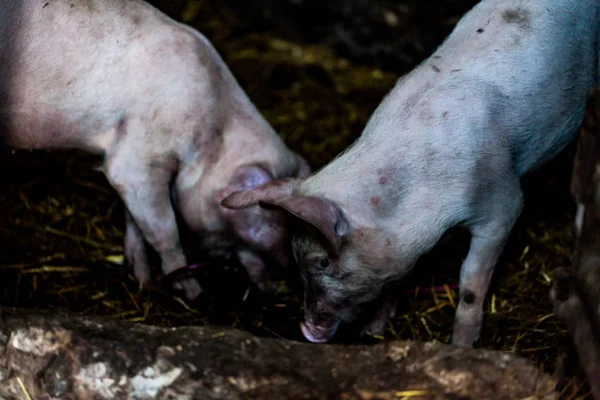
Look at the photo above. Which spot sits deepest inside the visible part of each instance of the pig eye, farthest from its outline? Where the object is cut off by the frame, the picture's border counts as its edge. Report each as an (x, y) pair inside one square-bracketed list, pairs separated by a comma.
[(323, 264), (318, 263)]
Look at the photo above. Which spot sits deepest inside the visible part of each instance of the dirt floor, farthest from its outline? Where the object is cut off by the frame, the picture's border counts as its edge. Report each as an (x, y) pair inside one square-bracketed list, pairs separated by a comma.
[(61, 224)]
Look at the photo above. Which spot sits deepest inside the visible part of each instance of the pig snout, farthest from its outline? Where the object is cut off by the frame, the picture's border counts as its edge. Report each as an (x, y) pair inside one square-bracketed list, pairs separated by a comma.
[(320, 321), (319, 332)]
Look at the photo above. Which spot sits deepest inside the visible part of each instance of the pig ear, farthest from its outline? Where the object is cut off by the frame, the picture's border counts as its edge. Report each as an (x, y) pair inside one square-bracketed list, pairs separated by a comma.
[(270, 192), (322, 214)]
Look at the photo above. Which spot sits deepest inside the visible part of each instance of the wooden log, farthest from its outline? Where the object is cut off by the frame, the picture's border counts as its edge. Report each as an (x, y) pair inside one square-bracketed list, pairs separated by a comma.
[(53, 355)]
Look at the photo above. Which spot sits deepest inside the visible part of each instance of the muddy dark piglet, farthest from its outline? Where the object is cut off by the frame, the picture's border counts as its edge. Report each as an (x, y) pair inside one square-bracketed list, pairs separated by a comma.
[(121, 79), (502, 95)]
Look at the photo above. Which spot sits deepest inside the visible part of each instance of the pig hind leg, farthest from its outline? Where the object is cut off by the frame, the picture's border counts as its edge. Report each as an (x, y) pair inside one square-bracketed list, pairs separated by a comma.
[(489, 231), (144, 188)]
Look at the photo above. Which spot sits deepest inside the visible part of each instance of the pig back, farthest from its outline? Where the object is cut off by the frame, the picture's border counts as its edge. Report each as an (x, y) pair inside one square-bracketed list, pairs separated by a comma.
[(81, 69), (540, 57)]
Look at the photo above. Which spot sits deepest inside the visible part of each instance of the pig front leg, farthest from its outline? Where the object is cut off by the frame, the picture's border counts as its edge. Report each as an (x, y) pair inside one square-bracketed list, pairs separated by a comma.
[(135, 250), (144, 188), (579, 219), (488, 237)]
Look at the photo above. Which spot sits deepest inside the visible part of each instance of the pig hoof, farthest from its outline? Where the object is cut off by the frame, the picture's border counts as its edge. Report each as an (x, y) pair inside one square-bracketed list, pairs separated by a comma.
[(190, 286), (464, 340), (464, 344)]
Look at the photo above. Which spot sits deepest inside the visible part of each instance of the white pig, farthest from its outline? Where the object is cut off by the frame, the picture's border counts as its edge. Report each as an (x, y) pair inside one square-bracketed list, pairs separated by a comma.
[(502, 95), (121, 79)]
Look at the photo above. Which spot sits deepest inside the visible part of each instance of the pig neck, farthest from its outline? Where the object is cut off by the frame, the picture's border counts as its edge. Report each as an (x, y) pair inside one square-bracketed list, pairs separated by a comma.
[(389, 180), (408, 216)]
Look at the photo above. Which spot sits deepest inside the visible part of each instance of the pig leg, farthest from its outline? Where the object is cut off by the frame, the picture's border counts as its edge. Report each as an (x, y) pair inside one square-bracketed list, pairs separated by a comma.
[(144, 188), (579, 219), (257, 270), (135, 250), (487, 243)]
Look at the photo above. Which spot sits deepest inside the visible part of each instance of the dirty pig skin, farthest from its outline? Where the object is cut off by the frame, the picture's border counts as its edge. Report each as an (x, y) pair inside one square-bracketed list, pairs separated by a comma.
[(121, 79), (502, 95)]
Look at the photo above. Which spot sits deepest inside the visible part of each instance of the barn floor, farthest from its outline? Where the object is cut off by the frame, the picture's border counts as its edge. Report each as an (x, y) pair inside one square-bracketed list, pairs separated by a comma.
[(61, 224)]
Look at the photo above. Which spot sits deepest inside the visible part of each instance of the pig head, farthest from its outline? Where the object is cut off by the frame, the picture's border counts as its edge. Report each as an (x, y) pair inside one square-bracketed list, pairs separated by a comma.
[(261, 236), (256, 236), (343, 269)]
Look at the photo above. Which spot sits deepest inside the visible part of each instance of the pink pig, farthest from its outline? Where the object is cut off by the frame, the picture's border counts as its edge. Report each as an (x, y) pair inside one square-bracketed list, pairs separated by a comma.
[(503, 94), (121, 79)]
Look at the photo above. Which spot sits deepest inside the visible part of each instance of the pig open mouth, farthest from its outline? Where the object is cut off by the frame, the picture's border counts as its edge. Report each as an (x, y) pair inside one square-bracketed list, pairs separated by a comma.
[(319, 333)]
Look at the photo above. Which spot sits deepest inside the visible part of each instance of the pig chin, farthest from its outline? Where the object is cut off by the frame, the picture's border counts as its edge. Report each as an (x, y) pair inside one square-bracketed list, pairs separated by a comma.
[(320, 333)]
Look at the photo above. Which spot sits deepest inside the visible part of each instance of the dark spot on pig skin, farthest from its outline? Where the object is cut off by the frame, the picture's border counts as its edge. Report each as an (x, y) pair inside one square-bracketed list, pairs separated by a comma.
[(435, 68), (480, 30), (432, 154), (121, 129), (468, 297), (209, 144), (518, 16), (384, 180), (45, 5), (375, 200), (445, 114)]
